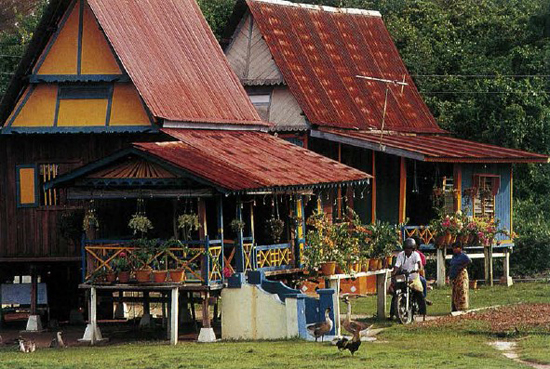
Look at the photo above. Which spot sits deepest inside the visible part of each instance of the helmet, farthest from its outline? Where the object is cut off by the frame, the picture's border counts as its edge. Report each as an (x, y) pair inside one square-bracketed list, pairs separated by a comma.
[(410, 243)]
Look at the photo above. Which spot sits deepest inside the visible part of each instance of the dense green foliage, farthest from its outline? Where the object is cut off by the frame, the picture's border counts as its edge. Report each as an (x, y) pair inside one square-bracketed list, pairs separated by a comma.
[(482, 66)]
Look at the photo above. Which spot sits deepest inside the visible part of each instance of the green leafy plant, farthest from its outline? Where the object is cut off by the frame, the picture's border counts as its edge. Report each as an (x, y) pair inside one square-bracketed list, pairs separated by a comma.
[(90, 220), (140, 223), (237, 225), (188, 223), (121, 263), (275, 228)]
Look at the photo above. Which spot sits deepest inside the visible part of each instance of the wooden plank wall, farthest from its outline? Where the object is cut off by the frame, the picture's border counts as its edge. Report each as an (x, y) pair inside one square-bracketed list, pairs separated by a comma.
[(32, 232)]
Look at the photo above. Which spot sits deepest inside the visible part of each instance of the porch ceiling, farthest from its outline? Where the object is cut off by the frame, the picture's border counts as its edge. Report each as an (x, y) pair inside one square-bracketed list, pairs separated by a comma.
[(431, 148)]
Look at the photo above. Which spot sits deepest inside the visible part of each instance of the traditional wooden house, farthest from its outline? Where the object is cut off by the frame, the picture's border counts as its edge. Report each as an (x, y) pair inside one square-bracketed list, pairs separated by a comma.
[(122, 108), (332, 80)]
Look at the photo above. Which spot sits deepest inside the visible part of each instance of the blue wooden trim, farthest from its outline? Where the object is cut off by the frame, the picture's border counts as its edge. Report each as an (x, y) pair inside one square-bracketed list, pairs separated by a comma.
[(239, 252), (206, 262), (18, 186), (271, 268), (80, 31), (62, 78), (85, 91), (55, 36), (273, 247), (132, 150), (83, 257), (98, 129), (57, 103), (109, 105), (20, 107)]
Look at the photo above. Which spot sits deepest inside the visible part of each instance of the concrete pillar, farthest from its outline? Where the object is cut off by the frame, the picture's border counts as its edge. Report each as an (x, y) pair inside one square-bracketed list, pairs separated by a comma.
[(441, 253), (381, 288)]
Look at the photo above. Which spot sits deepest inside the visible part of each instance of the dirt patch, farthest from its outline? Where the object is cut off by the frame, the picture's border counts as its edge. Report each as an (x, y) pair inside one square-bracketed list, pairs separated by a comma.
[(502, 319)]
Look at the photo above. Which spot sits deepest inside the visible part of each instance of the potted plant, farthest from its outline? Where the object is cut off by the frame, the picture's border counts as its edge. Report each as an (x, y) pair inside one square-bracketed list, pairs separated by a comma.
[(188, 223), (144, 256), (363, 239), (98, 276), (385, 240), (177, 273), (121, 265), (275, 228), (237, 225), (90, 224), (139, 223), (160, 264), (321, 252)]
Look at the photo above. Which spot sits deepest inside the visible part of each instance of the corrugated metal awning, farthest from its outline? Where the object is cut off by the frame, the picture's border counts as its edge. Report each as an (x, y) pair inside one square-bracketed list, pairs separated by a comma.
[(431, 148)]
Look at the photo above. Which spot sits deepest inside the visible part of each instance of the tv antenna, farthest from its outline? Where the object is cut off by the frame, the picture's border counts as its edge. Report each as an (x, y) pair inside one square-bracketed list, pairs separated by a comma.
[(388, 82)]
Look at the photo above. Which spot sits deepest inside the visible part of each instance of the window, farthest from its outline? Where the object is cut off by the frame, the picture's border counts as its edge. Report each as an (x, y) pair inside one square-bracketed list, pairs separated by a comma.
[(27, 188), (47, 172), (262, 102), (486, 188)]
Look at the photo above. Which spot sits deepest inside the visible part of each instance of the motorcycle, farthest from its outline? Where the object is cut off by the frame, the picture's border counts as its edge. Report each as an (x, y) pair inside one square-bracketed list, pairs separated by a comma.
[(405, 304)]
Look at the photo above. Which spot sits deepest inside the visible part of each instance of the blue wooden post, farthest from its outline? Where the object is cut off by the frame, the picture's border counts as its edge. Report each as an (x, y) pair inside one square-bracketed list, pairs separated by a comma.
[(220, 234), (300, 241), (206, 261), (83, 255), (239, 249)]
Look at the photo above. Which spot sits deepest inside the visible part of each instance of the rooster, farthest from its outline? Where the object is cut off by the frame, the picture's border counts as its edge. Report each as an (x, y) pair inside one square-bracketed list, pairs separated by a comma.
[(351, 345), (321, 328)]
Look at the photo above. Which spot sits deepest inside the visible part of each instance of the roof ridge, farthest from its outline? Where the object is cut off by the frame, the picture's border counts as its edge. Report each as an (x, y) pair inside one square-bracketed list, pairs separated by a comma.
[(372, 13)]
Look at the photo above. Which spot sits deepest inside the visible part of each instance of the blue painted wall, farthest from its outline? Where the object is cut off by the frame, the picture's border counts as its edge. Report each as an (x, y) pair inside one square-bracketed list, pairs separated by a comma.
[(503, 204)]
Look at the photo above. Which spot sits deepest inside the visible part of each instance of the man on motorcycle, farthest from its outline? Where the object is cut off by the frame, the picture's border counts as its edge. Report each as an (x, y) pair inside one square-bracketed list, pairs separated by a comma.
[(408, 260)]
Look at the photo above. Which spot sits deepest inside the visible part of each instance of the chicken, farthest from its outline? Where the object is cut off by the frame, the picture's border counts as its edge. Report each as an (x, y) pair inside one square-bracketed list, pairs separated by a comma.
[(353, 326), (351, 345), (26, 346), (321, 328), (58, 342)]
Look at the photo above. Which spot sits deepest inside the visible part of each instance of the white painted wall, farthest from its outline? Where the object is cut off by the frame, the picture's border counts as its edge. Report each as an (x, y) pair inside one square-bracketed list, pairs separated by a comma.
[(250, 313)]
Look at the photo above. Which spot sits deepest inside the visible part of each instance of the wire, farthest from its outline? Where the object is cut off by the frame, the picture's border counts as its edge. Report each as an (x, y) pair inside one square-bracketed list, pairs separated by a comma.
[(484, 92), (482, 76)]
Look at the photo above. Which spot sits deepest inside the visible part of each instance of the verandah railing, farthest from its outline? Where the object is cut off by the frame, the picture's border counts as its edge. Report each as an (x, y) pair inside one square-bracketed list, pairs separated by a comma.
[(206, 262)]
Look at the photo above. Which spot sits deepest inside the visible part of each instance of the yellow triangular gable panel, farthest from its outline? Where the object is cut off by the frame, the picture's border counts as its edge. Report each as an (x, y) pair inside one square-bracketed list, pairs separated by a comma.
[(97, 56), (79, 47), (36, 108), (127, 108), (61, 55)]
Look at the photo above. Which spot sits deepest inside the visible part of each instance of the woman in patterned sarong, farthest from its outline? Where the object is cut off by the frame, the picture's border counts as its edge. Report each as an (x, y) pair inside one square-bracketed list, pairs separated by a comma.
[(459, 278)]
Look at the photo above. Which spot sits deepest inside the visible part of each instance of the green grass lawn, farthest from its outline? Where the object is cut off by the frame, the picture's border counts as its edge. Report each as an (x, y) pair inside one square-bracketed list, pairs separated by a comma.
[(415, 346)]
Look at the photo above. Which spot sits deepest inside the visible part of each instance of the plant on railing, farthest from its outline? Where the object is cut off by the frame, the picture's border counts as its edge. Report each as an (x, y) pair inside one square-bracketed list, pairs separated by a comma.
[(446, 228), (122, 266), (188, 223), (90, 223), (275, 228), (384, 238), (363, 236), (237, 225), (321, 250), (139, 223)]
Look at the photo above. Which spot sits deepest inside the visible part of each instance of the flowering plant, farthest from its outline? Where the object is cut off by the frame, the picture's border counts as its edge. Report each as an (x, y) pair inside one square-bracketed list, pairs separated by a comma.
[(121, 263), (188, 223)]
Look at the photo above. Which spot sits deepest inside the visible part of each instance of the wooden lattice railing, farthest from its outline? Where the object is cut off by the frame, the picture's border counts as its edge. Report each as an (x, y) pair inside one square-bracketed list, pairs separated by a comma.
[(273, 257), (202, 261), (423, 232)]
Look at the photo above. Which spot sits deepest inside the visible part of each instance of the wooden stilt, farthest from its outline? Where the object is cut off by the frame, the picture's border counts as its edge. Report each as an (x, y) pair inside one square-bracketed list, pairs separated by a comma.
[(93, 314), (441, 253), (174, 317), (205, 311), (34, 290), (506, 268), (381, 287), (488, 251)]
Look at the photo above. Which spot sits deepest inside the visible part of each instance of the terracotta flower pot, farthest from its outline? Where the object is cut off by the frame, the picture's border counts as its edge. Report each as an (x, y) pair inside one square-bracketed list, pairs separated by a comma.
[(143, 275), (448, 239), (110, 277), (388, 262), (177, 276), (365, 265), (124, 277), (328, 268), (373, 265), (440, 241), (159, 276), (339, 269)]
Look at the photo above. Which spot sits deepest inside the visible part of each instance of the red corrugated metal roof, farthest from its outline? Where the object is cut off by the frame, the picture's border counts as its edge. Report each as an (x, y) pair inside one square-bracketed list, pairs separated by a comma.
[(174, 60), (320, 50), (247, 160), (433, 148)]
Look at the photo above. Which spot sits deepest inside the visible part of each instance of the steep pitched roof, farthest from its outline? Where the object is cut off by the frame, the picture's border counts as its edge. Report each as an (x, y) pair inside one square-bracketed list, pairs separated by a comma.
[(320, 51), (170, 54)]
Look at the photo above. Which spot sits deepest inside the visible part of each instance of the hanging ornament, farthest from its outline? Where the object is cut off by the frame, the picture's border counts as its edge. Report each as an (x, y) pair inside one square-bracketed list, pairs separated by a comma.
[(254, 202), (415, 180)]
